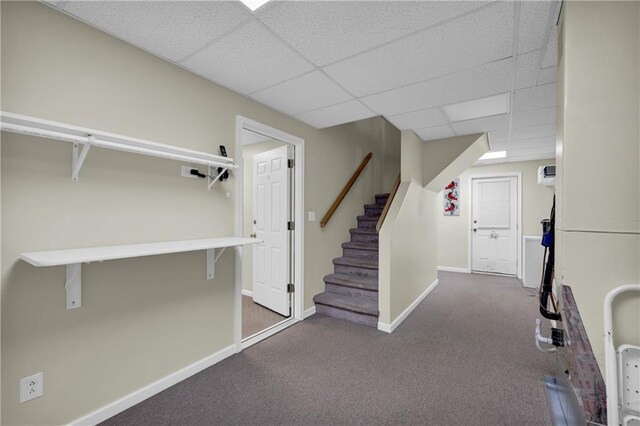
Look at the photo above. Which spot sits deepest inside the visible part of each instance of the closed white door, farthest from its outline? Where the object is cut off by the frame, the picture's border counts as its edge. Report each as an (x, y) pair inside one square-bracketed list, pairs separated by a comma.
[(494, 228), (271, 214)]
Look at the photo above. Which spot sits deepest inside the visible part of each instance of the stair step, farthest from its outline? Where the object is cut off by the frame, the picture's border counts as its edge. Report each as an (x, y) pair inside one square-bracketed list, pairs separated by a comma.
[(356, 262), (364, 235), (382, 198), (348, 303), (368, 221), (360, 245), (373, 209), (353, 281), (362, 319)]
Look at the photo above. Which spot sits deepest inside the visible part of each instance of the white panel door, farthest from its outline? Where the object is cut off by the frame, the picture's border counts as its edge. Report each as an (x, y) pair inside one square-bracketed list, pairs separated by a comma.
[(494, 240), (271, 214)]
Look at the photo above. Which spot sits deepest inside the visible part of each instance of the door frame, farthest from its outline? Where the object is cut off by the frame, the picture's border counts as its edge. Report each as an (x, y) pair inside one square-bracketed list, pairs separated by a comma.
[(518, 176), (244, 123)]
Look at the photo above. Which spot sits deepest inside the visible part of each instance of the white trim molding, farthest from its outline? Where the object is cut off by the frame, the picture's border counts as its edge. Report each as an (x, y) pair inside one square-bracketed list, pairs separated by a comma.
[(151, 389), (244, 123), (388, 328), (308, 312), (246, 292), (454, 269)]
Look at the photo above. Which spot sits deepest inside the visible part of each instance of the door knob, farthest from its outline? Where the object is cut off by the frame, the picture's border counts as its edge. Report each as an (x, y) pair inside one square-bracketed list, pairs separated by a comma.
[(254, 235), (475, 229)]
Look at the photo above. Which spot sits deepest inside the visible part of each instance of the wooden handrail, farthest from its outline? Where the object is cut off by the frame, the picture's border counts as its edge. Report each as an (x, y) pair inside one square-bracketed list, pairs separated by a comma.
[(345, 190), (387, 205)]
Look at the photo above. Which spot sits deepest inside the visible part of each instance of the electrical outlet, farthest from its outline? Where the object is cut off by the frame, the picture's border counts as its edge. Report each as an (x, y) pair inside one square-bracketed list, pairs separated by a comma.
[(312, 216), (185, 171), (31, 387)]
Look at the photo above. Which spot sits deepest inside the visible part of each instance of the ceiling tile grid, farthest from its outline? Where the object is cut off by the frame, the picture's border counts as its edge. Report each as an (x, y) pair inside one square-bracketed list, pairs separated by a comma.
[(319, 91), (168, 29), (248, 59), (332, 62), (475, 39)]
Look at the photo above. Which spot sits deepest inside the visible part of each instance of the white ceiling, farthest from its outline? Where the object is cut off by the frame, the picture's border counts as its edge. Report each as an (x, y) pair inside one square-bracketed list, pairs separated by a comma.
[(333, 62)]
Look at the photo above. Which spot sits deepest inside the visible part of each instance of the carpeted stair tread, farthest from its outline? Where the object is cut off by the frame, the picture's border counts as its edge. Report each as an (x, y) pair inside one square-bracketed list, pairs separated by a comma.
[(386, 194), (356, 262), (371, 218), (374, 206), (354, 281), (370, 231), (357, 245), (348, 303)]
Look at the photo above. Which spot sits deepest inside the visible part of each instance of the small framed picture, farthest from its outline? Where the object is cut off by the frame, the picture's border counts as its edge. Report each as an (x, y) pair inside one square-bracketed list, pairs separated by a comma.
[(452, 198)]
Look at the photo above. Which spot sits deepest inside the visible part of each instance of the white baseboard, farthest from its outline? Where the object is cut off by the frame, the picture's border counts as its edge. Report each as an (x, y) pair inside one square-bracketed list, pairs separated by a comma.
[(148, 391), (388, 328), (453, 269), (247, 292), (309, 312)]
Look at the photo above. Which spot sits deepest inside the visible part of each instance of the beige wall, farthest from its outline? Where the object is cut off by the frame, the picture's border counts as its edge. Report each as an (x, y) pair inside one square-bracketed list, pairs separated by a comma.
[(453, 231), (140, 319), (248, 152), (598, 147), (408, 247)]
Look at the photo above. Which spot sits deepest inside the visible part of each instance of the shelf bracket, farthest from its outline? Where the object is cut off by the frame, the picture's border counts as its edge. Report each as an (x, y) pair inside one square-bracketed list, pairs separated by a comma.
[(210, 181), (212, 259), (78, 156), (73, 285)]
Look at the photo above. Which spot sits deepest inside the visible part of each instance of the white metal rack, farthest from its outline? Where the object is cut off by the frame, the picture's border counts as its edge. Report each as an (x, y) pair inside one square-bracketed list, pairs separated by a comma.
[(74, 258), (84, 138)]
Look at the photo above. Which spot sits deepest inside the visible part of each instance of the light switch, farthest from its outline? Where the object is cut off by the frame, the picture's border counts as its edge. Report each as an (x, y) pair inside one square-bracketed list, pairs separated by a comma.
[(312, 216)]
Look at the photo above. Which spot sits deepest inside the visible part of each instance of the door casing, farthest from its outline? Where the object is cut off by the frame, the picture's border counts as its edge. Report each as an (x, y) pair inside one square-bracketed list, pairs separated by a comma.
[(244, 123), (518, 175)]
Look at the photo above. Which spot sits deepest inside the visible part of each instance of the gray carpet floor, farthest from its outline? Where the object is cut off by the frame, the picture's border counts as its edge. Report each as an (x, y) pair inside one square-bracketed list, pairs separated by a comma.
[(465, 356), (256, 318)]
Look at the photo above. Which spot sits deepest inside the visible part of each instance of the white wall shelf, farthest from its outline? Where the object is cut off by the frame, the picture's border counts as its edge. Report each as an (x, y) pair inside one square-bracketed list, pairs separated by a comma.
[(74, 258), (82, 139)]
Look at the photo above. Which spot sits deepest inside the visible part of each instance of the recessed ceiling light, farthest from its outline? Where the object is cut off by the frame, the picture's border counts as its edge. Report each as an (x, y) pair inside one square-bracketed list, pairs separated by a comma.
[(254, 4), (492, 155), (485, 107)]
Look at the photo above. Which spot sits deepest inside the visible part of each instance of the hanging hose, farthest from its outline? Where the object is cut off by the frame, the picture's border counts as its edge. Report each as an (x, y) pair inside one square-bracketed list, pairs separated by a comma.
[(546, 286), (541, 339)]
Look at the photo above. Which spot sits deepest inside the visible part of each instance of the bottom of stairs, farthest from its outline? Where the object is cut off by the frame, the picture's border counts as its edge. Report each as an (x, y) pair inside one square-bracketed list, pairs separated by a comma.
[(356, 309)]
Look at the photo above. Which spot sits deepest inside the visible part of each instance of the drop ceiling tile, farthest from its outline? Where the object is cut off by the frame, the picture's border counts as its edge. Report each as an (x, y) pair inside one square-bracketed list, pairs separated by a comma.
[(486, 80), (533, 132), (531, 157), (325, 32), (527, 69), (536, 97), (501, 136), (540, 150), (469, 41), (336, 114), (414, 120), (481, 125), (308, 92), (533, 118), (533, 143), (534, 23), (497, 145), (550, 58), (547, 75), (171, 29), (433, 133), (247, 60)]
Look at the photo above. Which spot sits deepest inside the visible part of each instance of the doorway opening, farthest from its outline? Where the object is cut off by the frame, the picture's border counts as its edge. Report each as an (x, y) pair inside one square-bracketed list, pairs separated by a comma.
[(269, 285), (495, 230)]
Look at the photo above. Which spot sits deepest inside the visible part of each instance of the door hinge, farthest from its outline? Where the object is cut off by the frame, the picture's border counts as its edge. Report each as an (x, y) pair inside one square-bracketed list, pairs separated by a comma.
[(291, 226), (291, 163), (290, 288)]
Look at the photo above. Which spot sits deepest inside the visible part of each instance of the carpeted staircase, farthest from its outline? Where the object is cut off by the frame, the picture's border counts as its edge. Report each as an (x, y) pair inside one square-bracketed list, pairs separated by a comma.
[(351, 292)]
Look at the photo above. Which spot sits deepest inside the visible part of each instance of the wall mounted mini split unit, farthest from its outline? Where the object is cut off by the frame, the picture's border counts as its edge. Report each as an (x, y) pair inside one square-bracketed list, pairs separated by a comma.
[(547, 175)]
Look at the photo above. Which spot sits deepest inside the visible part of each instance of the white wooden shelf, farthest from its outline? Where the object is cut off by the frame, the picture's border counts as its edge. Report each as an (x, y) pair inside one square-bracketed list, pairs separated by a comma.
[(74, 258), (84, 138)]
